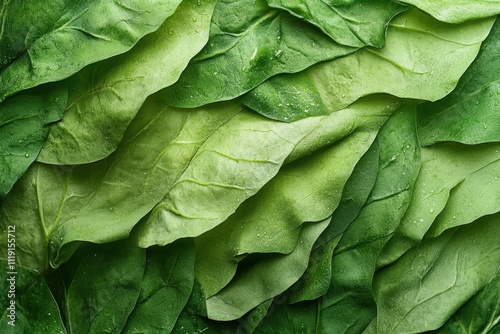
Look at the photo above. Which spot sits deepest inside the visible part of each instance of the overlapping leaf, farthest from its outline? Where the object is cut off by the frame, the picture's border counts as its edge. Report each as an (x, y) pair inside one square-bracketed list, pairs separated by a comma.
[(105, 97), (49, 41), (422, 59)]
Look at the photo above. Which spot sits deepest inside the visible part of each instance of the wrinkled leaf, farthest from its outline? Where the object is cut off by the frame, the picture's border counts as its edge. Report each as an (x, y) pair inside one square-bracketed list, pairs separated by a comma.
[(265, 279), (440, 274), (24, 126), (457, 11), (49, 41), (249, 42), (480, 314), (422, 59), (355, 23), (471, 113), (443, 168), (193, 207), (165, 288), (105, 97), (34, 307)]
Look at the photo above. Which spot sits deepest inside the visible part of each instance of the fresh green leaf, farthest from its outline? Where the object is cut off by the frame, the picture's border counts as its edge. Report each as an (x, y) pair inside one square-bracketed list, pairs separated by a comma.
[(481, 314), (49, 41), (353, 23), (106, 286), (443, 168), (440, 274), (457, 11), (105, 97), (165, 288), (249, 42), (27, 303), (24, 126), (266, 279), (422, 59), (471, 113)]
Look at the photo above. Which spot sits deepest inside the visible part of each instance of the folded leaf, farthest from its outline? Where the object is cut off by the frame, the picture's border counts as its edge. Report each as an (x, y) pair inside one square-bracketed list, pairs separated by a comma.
[(457, 11), (471, 113), (105, 286), (105, 97), (422, 59), (49, 41), (249, 42), (355, 23), (24, 126), (481, 314), (248, 151), (266, 279), (32, 306), (440, 274), (443, 168)]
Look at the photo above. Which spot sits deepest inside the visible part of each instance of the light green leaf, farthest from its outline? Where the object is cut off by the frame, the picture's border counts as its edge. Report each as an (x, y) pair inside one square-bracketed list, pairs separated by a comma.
[(355, 23), (471, 113), (265, 279), (24, 126), (55, 206), (457, 11), (348, 307), (193, 207), (440, 274), (481, 314), (443, 168), (105, 287), (32, 308), (49, 41), (422, 59), (249, 42), (105, 97)]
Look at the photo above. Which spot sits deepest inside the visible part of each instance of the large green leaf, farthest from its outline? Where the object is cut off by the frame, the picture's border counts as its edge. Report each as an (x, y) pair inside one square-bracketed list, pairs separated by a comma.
[(471, 113), (105, 97), (249, 42), (54, 206), (265, 279), (105, 287), (348, 306), (443, 168), (439, 275), (422, 59), (248, 151), (457, 11), (24, 126), (480, 314), (31, 308), (49, 41), (356, 23)]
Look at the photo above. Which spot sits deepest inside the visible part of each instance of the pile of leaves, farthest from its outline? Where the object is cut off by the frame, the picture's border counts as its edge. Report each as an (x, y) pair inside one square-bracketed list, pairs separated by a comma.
[(250, 166)]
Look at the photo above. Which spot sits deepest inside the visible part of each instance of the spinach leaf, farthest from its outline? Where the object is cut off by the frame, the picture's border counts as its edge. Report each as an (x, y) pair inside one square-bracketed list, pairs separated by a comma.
[(24, 126), (353, 23), (249, 42), (105, 97), (470, 114), (426, 66), (49, 41)]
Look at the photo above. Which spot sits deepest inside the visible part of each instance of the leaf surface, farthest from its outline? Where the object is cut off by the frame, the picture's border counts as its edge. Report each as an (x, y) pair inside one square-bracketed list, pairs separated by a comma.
[(354, 23), (49, 41), (24, 126), (471, 113), (249, 42), (422, 59), (105, 97)]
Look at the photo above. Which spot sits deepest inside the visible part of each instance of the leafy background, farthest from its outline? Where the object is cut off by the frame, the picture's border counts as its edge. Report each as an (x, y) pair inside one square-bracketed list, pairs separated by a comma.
[(251, 166)]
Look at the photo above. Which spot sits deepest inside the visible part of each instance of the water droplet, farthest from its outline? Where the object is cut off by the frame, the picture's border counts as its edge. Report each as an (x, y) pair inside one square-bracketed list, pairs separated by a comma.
[(110, 208), (431, 210), (258, 235), (27, 155)]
